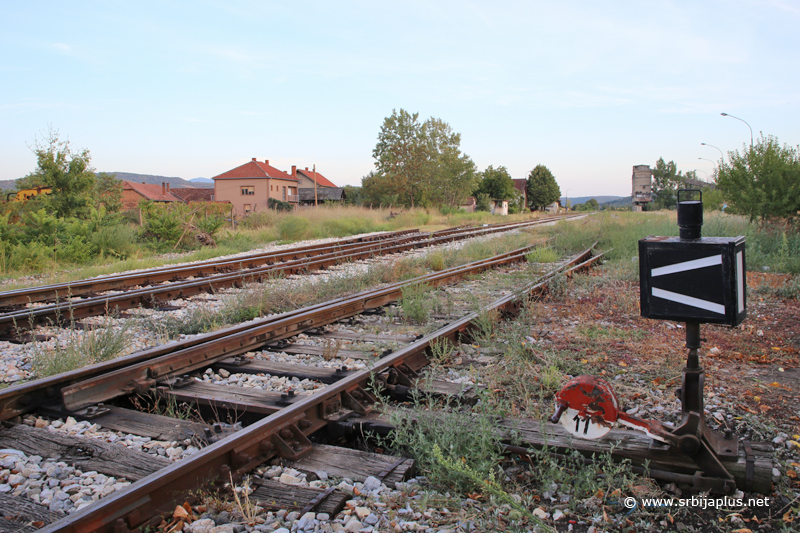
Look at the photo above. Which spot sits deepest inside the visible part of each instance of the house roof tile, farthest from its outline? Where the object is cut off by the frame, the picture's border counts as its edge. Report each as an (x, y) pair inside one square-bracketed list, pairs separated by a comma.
[(255, 169), (150, 191), (322, 181), (193, 194)]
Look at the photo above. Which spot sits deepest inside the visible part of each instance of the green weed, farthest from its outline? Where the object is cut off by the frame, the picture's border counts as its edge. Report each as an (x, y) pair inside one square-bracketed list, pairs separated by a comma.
[(81, 348), (464, 434), (416, 303), (542, 255)]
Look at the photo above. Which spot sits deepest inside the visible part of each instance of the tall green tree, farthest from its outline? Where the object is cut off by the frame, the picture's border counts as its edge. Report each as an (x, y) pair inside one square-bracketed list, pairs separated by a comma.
[(450, 172), (420, 163), (400, 154), (666, 182), (378, 189), (495, 182), (69, 173), (762, 181), (107, 192), (543, 189)]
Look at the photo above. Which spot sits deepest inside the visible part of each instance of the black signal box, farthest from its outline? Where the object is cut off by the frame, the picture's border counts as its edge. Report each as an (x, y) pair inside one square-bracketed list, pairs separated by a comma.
[(693, 280)]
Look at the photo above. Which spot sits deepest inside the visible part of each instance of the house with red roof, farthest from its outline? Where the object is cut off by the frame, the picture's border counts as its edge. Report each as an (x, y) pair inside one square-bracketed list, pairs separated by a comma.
[(133, 192), (249, 187), (307, 177), (193, 194)]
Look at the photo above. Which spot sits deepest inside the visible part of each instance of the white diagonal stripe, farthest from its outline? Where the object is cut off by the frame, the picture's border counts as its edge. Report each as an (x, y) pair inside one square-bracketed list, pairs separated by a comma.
[(688, 265), (688, 300), (740, 280)]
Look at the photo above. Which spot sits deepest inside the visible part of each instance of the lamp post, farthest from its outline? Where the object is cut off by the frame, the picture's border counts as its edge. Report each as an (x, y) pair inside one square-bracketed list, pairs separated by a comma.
[(701, 170), (720, 151), (713, 165), (748, 125)]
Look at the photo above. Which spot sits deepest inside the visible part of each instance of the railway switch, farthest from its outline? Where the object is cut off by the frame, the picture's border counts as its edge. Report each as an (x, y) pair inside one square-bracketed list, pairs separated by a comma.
[(692, 279)]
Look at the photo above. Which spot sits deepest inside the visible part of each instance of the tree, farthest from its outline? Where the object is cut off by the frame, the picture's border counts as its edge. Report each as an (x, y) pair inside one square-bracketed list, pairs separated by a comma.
[(108, 192), (762, 181), (378, 189), (401, 154), (542, 188), (419, 163), (496, 183), (589, 205), (68, 173), (353, 195), (666, 181), (450, 172)]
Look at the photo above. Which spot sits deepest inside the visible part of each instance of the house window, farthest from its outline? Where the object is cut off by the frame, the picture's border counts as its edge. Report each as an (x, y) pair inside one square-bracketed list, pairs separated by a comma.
[(248, 190), (246, 208), (284, 194)]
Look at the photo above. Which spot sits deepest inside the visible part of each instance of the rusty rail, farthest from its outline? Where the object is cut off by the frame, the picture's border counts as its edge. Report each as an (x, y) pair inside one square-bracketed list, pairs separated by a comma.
[(284, 433), (174, 273), (62, 312), (23, 398)]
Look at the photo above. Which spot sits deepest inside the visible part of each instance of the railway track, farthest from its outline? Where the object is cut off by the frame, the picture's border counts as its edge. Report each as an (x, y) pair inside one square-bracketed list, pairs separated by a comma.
[(282, 422), (210, 276)]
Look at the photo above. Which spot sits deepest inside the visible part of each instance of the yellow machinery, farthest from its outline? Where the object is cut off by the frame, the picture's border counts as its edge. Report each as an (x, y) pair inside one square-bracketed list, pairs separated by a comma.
[(26, 194)]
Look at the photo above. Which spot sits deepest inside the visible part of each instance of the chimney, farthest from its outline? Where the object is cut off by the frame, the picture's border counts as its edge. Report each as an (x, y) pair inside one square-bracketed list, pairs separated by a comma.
[(294, 171), (144, 183), (254, 159), (266, 161), (167, 186), (306, 169), (163, 188)]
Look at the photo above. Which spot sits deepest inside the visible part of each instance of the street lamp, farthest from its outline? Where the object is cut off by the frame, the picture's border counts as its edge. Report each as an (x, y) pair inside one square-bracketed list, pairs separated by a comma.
[(720, 151), (701, 170), (748, 125), (713, 165)]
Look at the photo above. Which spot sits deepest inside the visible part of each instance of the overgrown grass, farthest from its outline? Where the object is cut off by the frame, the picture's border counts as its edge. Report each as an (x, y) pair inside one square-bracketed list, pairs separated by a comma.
[(263, 299), (465, 434), (416, 303), (81, 348), (257, 230), (768, 245)]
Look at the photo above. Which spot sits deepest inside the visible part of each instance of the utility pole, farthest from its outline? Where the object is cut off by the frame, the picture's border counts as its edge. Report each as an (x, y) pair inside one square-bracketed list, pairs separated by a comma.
[(315, 185)]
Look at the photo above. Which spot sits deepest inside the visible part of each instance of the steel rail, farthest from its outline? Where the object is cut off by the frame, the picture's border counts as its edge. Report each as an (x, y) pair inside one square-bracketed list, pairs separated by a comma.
[(158, 493), (15, 322), (140, 377), (173, 273), (19, 399)]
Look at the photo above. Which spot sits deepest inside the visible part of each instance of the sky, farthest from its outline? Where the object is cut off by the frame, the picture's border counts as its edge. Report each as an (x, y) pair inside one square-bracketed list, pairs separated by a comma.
[(587, 88)]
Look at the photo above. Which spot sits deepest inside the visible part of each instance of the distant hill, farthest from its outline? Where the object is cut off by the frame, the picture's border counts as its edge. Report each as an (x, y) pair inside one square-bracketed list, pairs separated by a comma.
[(583, 199), (158, 180), (201, 183), (621, 202)]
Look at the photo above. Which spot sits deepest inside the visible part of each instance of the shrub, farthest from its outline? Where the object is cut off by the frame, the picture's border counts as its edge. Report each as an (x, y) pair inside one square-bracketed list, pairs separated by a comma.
[(116, 241), (277, 205), (210, 225)]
